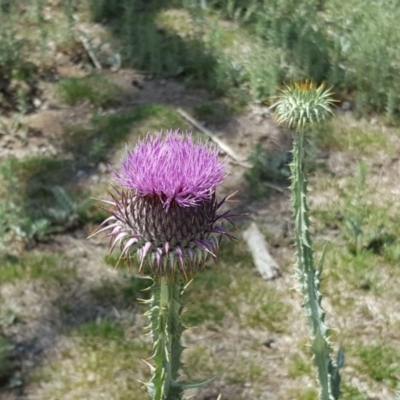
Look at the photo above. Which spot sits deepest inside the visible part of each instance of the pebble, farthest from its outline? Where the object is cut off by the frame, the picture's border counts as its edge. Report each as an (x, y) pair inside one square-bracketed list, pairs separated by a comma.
[(102, 168), (373, 121), (37, 102), (52, 150), (346, 106), (95, 179)]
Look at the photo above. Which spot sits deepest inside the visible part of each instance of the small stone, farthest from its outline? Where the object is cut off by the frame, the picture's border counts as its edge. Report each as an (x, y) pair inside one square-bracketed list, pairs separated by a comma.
[(37, 102), (373, 121), (52, 150), (95, 179), (91, 377), (269, 343), (266, 114), (43, 148), (102, 168), (346, 106)]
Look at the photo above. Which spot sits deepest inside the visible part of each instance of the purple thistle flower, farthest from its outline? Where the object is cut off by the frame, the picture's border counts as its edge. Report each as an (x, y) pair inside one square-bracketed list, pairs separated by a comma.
[(166, 210), (174, 169)]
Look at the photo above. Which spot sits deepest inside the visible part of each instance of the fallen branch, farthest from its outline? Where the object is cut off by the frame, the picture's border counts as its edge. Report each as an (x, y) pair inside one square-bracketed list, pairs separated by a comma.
[(273, 187), (266, 265), (88, 48), (226, 148)]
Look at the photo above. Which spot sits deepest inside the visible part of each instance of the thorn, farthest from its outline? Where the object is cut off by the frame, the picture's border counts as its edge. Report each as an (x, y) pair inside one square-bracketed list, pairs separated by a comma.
[(152, 368), (187, 285)]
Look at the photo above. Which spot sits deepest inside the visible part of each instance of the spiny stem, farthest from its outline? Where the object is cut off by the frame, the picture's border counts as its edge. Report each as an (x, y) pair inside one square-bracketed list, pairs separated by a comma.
[(166, 330), (309, 277)]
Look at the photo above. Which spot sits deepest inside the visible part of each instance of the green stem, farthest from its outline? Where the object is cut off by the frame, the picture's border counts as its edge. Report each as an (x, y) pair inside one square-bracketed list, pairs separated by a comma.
[(166, 330), (309, 277)]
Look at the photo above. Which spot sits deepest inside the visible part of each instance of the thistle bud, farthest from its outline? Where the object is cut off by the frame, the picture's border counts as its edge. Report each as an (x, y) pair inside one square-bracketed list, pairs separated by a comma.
[(303, 103)]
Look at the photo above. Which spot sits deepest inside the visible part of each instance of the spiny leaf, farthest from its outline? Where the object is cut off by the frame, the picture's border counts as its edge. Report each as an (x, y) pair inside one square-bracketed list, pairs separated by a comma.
[(199, 383)]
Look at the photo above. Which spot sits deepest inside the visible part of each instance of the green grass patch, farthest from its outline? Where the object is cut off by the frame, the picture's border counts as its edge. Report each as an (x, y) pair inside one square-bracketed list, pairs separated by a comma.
[(103, 330), (303, 394), (205, 298), (366, 234), (35, 265), (214, 112), (349, 392), (266, 167), (282, 42), (392, 253), (357, 270), (200, 360), (208, 297), (39, 198), (235, 254), (354, 138), (170, 40), (98, 362), (123, 293), (5, 363), (269, 311), (249, 371), (380, 362), (300, 365), (96, 89), (34, 173), (95, 143)]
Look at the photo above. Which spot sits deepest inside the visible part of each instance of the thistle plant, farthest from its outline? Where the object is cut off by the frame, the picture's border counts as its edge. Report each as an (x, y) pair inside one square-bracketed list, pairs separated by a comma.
[(300, 106), (164, 213)]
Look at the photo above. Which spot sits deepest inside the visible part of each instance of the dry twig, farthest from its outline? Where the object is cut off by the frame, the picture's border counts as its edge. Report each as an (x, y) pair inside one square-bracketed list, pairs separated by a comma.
[(225, 147), (266, 265), (88, 48)]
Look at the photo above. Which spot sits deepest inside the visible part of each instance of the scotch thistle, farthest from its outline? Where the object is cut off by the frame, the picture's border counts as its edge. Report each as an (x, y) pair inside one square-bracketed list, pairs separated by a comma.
[(300, 106), (164, 212)]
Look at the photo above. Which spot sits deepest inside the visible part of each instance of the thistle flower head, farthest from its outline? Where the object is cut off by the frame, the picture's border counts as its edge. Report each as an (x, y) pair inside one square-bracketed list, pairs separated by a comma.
[(174, 169), (303, 103), (165, 209)]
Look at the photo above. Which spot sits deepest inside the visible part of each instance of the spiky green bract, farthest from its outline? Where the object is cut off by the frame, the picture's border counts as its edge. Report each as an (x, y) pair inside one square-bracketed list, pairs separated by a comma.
[(303, 103), (166, 329)]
